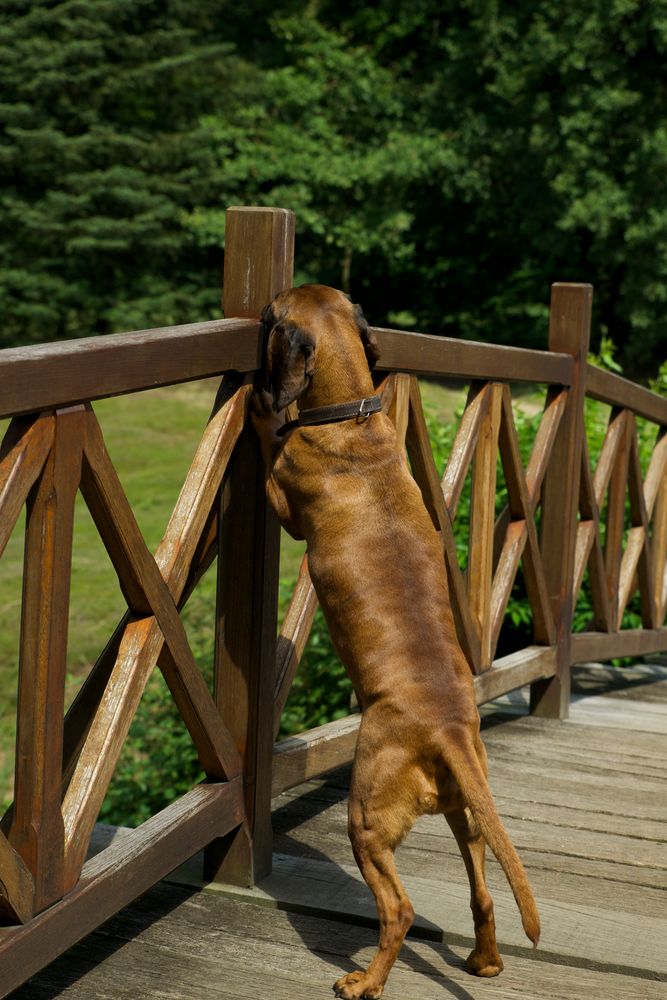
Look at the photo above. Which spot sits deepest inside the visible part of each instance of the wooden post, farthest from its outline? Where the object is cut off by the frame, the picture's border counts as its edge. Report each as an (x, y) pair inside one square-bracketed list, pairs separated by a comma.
[(259, 255), (569, 333), (37, 830)]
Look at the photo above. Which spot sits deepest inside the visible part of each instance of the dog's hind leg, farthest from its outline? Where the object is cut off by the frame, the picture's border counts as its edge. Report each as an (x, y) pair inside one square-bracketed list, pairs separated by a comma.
[(484, 960), (373, 845)]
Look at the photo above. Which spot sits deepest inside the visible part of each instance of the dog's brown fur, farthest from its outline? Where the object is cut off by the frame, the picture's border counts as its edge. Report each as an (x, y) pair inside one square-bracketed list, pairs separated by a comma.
[(377, 566)]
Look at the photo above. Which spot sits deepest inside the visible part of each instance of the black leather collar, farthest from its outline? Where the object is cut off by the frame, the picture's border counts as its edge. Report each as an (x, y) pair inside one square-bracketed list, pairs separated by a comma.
[(356, 409)]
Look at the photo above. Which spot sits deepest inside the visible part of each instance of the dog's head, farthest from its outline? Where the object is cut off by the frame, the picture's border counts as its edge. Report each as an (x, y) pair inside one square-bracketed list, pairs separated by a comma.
[(297, 324)]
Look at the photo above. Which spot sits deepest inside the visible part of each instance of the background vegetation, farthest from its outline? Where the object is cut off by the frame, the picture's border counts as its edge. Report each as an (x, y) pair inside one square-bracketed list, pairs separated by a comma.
[(446, 160)]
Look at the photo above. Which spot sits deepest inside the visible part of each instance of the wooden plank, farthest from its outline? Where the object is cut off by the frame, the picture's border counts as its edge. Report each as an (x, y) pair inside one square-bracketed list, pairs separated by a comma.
[(259, 263), (17, 886), (176, 553), (118, 875), (617, 391), (465, 442), (160, 947), (615, 525), (137, 654), (292, 640), (399, 410), (522, 509), (576, 931), (655, 494), (505, 571), (636, 563), (513, 671), (148, 596), (197, 500), (592, 646), (426, 477), (36, 831), (482, 523), (24, 451), (659, 543), (640, 716), (589, 548), (423, 354), (314, 752), (259, 259), (97, 367), (554, 408), (656, 472), (569, 332), (131, 558)]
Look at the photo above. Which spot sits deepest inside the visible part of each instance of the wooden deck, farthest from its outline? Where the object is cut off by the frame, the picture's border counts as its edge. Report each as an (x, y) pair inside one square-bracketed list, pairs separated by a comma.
[(586, 804)]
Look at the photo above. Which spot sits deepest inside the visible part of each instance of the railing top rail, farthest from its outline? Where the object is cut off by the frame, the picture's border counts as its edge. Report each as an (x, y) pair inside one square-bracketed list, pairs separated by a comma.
[(608, 387), (46, 376), (425, 354)]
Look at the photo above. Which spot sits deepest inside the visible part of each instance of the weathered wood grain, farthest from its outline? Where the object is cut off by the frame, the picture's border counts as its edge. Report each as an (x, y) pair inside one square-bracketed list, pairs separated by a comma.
[(617, 391), (177, 554), (422, 354), (36, 830), (118, 875), (482, 522), (522, 512), (569, 332), (426, 477), (97, 367), (17, 887), (259, 263), (589, 548), (161, 945), (23, 452), (588, 646)]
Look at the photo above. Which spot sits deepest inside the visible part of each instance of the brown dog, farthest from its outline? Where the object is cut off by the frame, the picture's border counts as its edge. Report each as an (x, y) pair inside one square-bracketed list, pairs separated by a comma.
[(377, 566)]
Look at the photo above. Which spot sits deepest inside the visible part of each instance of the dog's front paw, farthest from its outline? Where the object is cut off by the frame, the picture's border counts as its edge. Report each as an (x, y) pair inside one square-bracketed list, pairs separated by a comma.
[(262, 406), (356, 986)]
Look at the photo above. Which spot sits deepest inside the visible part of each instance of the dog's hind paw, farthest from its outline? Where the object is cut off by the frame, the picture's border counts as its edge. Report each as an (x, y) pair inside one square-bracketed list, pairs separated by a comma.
[(356, 986), (485, 966)]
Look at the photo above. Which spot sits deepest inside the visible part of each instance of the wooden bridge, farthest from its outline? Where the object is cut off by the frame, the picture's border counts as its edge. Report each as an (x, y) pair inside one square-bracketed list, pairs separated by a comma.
[(567, 525)]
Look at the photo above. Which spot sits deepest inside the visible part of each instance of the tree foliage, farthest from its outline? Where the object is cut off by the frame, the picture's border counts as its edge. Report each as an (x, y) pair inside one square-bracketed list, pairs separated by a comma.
[(446, 161)]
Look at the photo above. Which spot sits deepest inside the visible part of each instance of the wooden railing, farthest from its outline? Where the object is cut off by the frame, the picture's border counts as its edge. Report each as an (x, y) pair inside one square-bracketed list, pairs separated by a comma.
[(551, 530)]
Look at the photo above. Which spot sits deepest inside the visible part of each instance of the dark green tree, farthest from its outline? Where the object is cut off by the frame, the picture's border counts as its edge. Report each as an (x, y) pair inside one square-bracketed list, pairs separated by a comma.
[(451, 160), (101, 159)]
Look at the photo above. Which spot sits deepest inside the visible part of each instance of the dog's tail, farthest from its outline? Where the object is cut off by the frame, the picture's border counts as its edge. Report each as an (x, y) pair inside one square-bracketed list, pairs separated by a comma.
[(463, 762)]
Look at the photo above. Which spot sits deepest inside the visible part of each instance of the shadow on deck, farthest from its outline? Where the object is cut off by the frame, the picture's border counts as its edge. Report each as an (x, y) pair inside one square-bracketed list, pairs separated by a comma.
[(584, 801)]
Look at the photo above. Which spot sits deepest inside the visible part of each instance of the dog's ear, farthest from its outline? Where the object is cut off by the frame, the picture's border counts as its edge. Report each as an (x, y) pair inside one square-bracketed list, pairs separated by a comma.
[(367, 338), (291, 362)]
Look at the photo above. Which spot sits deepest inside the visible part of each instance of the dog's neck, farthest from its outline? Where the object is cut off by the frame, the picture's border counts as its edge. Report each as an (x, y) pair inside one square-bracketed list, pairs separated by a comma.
[(339, 377)]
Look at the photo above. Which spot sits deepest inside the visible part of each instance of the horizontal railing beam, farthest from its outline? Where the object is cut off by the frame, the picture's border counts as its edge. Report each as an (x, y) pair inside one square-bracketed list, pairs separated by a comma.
[(607, 387), (587, 646), (119, 875), (46, 376), (424, 354)]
